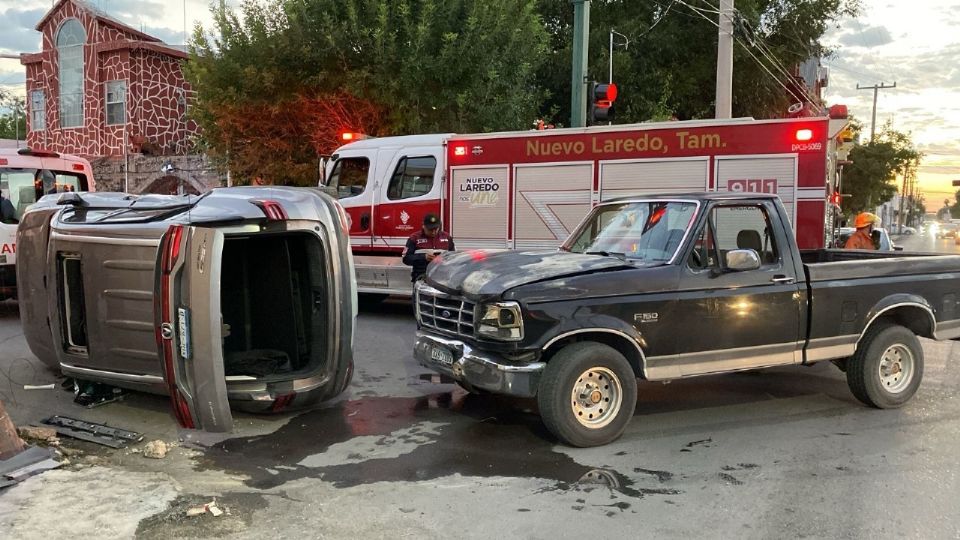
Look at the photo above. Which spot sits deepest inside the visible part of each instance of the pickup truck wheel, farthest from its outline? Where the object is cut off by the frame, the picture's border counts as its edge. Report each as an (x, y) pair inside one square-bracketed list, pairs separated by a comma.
[(887, 368), (587, 394)]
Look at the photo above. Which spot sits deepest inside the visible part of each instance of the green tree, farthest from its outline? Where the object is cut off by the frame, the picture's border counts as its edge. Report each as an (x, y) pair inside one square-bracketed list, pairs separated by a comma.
[(13, 123), (275, 81), (871, 178), (669, 68)]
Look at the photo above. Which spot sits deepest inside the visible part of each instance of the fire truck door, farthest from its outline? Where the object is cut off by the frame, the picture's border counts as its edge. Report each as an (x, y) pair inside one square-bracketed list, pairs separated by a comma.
[(411, 191)]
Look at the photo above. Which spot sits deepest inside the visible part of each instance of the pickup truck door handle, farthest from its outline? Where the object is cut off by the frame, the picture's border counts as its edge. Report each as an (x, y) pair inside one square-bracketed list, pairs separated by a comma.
[(780, 278)]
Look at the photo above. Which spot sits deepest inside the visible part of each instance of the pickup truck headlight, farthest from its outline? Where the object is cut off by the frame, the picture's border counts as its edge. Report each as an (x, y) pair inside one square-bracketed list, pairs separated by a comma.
[(501, 320)]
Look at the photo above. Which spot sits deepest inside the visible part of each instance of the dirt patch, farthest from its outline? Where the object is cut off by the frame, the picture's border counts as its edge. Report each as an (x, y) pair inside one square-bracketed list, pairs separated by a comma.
[(238, 509)]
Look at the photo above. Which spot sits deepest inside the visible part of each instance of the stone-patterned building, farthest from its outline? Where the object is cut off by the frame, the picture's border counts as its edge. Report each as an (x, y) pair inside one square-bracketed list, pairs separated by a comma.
[(106, 91)]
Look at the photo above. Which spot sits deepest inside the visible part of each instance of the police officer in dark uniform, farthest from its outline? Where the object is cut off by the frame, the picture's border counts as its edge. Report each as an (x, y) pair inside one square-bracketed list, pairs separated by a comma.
[(423, 245)]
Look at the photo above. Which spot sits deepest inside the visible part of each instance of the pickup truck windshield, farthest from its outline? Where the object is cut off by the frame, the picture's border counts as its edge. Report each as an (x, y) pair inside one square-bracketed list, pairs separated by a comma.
[(649, 231)]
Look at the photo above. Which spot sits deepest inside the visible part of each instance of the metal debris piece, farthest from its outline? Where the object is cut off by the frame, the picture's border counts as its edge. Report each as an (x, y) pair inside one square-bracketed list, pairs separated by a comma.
[(50, 386), (31, 461), (91, 432)]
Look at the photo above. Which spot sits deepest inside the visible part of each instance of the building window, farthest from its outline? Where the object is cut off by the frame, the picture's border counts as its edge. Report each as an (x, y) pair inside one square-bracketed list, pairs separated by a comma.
[(38, 111), (116, 102), (70, 41)]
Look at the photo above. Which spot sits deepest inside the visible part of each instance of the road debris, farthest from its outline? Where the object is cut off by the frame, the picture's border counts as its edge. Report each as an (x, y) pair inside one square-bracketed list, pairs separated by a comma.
[(91, 432), (50, 386), (93, 394), (39, 434), (155, 450), (27, 463), (209, 508)]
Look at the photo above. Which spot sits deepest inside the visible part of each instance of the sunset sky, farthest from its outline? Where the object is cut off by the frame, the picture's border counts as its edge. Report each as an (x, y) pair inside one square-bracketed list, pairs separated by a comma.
[(915, 44)]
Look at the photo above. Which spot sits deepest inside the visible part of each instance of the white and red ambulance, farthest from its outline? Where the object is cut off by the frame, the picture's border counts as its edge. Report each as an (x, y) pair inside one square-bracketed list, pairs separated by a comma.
[(25, 176), (528, 190)]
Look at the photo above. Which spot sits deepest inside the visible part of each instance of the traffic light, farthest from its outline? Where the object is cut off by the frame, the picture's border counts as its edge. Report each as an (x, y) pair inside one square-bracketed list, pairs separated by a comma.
[(602, 96)]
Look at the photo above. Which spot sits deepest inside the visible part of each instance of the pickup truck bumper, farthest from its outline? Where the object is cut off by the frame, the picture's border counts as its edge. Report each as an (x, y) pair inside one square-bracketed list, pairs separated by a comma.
[(476, 368)]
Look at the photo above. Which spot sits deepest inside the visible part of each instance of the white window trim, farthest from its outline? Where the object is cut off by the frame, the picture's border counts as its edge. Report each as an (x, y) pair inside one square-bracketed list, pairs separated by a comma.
[(107, 102), (34, 110)]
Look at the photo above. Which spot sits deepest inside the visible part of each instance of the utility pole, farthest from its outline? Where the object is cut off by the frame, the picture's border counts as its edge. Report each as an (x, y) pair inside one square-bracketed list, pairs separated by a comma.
[(725, 61), (876, 89), (578, 82)]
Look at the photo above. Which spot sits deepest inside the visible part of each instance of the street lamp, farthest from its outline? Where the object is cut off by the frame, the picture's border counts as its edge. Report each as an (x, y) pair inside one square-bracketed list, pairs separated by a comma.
[(625, 44)]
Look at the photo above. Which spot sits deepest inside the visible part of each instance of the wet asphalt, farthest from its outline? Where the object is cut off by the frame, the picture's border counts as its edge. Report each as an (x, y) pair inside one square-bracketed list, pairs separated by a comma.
[(786, 452)]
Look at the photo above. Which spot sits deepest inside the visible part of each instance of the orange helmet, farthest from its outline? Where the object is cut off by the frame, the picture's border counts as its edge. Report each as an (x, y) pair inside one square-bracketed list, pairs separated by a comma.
[(865, 219)]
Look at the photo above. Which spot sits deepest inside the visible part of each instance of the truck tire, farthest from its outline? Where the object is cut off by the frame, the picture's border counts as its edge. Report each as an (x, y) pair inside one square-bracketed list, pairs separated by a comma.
[(587, 394), (887, 368)]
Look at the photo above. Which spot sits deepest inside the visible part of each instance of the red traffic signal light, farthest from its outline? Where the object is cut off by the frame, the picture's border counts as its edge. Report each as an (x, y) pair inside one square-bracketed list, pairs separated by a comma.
[(602, 96)]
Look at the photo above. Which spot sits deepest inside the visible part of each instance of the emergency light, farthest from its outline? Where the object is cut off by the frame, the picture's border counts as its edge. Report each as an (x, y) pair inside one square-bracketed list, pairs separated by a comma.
[(459, 150), (804, 134)]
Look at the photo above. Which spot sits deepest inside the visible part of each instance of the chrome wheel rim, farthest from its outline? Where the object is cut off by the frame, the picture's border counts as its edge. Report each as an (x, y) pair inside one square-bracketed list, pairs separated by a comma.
[(896, 368), (596, 397)]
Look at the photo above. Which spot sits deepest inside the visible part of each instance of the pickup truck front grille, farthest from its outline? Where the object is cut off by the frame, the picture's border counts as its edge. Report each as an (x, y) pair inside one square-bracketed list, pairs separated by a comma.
[(444, 313)]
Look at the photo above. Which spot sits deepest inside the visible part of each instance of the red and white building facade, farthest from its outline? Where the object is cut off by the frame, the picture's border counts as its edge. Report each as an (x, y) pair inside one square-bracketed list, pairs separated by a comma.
[(98, 84)]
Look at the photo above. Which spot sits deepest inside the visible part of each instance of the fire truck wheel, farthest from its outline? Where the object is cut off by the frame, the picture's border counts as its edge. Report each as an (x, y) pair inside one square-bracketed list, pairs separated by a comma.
[(587, 394), (887, 368)]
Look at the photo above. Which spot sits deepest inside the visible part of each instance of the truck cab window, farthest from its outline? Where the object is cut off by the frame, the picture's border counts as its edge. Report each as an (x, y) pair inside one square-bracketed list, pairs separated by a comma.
[(412, 178), (734, 227), (349, 176)]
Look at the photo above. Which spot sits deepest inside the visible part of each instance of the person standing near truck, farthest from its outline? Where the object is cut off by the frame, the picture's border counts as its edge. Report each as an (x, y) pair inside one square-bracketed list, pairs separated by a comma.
[(862, 239), (425, 245)]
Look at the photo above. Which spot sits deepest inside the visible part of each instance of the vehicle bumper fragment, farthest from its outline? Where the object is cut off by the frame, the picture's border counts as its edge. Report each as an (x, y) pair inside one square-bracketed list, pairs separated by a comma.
[(478, 369)]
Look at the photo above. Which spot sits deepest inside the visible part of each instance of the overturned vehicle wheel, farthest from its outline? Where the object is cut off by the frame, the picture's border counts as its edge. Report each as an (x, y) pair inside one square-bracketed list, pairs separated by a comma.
[(587, 394)]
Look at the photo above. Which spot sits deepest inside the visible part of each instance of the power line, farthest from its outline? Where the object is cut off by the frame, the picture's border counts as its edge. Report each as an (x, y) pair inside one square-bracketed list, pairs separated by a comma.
[(750, 52), (759, 42)]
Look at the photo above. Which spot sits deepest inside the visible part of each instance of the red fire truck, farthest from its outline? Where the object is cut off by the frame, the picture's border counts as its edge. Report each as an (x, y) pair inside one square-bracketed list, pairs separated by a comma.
[(528, 190)]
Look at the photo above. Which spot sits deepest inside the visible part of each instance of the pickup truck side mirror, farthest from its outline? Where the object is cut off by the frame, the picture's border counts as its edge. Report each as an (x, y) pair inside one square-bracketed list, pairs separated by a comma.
[(739, 260)]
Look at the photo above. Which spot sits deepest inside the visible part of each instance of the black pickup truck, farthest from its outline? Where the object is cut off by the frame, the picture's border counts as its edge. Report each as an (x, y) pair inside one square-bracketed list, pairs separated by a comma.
[(667, 287)]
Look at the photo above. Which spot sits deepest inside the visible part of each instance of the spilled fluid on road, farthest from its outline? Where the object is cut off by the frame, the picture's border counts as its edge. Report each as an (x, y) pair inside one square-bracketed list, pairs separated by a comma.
[(416, 439)]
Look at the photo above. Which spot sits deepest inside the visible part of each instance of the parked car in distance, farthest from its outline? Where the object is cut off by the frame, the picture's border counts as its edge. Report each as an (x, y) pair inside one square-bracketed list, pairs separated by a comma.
[(882, 239), (240, 296), (904, 230), (662, 288)]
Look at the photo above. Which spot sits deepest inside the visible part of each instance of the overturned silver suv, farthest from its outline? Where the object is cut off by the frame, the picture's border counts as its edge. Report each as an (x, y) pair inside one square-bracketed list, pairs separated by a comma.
[(240, 296)]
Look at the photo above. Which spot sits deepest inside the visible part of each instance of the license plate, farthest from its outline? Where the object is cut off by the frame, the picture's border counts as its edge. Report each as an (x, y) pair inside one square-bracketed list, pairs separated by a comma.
[(441, 356)]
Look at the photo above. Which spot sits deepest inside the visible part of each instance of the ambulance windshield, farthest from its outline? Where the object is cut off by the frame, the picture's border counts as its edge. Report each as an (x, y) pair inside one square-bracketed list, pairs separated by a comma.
[(644, 231)]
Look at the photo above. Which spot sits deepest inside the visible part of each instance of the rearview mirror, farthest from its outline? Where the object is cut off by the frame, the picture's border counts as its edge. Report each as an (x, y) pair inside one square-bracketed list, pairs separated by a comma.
[(740, 260)]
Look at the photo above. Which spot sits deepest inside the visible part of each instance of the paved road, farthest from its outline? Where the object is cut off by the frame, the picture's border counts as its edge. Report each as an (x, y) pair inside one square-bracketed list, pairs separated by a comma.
[(780, 453), (927, 242)]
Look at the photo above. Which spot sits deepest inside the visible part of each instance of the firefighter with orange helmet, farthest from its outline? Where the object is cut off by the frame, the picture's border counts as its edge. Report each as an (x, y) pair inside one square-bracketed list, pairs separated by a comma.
[(862, 239)]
